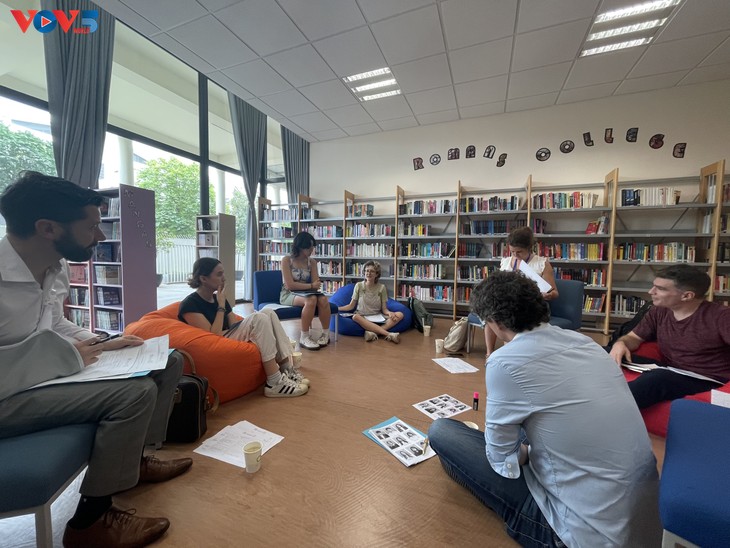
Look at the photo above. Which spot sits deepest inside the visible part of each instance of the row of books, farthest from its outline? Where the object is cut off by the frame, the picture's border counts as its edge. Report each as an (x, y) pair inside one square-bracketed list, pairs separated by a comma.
[(108, 296), (599, 226), (358, 269), (486, 204), (108, 319), (564, 200), (276, 247), (208, 238), (360, 210), (723, 223), (473, 273), (463, 293), (426, 249), (310, 213), (712, 189), (78, 273), (330, 286), (271, 265), (370, 250), (589, 276), (423, 271), (490, 227), (593, 303), (280, 214), (206, 223), (437, 293), (325, 231), (427, 207), (411, 229), (108, 274), (626, 305), (78, 296), (573, 251), (654, 196), (370, 230), (108, 252), (112, 230), (723, 252), (80, 317), (329, 268), (277, 232), (110, 207), (329, 250), (669, 252), (722, 283)]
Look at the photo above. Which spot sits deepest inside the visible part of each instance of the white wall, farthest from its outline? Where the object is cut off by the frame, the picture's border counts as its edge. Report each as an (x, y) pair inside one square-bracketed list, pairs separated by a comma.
[(372, 165)]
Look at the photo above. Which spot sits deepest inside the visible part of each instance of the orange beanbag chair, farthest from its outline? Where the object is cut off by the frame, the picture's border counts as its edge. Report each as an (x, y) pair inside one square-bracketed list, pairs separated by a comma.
[(232, 367)]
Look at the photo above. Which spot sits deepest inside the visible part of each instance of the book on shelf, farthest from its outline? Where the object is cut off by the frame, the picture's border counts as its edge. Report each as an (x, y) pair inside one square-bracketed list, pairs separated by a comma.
[(598, 226), (208, 239), (107, 274), (106, 296), (78, 273)]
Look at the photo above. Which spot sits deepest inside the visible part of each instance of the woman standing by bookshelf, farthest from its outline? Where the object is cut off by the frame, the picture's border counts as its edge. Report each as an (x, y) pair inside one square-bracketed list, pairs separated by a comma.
[(208, 309), (521, 242), (302, 288)]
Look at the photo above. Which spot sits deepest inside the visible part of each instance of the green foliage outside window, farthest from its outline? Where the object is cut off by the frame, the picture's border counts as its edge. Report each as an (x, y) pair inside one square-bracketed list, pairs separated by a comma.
[(21, 150)]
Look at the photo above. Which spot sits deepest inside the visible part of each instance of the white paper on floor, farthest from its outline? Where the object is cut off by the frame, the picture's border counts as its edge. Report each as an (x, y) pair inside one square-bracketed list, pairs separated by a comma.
[(227, 445)]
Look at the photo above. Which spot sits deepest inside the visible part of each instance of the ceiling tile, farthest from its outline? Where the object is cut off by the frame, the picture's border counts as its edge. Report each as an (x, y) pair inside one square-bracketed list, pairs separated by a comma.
[(380, 9), (130, 17), (301, 66), (597, 69), (388, 108), (481, 61), (262, 25), (438, 117), (469, 22), (548, 46), (697, 17), (330, 94), (174, 47), (647, 83), (587, 93), (215, 5), (289, 103), (707, 74), (229, 84), (679, 54), (538, 14), (263, 107), (166, 15), (433, 100), (351, 115), (362, 129), (481, 91), (257, 77), (351, 52), (320, 18), (720, 55), (431, 72), (213, 42), (313, 122), (329, 134), (540, 80), (398, 123), (527, 103), (482, 110), (410, 36)]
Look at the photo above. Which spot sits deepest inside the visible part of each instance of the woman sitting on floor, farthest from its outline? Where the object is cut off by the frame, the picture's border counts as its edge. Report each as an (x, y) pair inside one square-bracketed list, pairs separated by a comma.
[(302, 288), (208, 309), (370, 298)]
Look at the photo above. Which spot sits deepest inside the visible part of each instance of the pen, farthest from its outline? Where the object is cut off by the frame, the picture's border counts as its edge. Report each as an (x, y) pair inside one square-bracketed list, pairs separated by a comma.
[(425, 445), (109, 338)]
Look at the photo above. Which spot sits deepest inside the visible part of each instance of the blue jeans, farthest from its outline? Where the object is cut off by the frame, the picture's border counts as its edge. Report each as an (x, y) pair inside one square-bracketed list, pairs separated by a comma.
[(463, 456)]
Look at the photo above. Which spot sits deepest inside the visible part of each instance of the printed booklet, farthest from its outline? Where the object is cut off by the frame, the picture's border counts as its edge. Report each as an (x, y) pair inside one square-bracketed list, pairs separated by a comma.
[(401, 440)]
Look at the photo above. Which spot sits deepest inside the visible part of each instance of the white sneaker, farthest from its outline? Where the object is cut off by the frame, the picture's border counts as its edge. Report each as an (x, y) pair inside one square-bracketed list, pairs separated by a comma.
[(305, 341), (393, 337), (370, 336), (296, 375), (285, 388), (324, 339)]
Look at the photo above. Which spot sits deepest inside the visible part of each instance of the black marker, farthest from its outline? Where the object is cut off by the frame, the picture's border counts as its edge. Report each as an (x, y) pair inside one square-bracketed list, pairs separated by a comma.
[(475, 402), (109, 338)]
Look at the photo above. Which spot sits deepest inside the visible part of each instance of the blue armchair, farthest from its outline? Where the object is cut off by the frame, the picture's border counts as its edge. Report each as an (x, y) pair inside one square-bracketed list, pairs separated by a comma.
[(567, 310)]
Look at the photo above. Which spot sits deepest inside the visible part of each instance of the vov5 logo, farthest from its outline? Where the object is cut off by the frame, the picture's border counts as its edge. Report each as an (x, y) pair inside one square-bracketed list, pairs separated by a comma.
[(47, 20)]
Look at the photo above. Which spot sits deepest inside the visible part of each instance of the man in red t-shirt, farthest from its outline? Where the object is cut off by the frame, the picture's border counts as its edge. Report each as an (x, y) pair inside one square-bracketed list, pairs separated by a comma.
[(693, 335)]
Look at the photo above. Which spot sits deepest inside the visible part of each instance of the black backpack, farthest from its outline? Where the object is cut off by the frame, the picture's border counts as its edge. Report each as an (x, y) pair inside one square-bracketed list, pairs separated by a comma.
[(419, 313), (628, 326)]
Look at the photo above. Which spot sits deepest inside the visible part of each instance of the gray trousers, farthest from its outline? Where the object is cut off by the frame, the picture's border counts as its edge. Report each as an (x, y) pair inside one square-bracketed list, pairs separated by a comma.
[(130, 414)]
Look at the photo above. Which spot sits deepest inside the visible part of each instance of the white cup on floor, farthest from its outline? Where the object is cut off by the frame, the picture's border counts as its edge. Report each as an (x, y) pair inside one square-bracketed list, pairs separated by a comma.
[(439, 346), (252, 456), (426, 330), (296, 359)]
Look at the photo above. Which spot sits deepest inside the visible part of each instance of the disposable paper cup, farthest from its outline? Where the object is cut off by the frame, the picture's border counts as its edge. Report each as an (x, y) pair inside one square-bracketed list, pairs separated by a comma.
[(439, 346), (293, 344), (252, 456), (296, 359), (471, 425), (426, 330)]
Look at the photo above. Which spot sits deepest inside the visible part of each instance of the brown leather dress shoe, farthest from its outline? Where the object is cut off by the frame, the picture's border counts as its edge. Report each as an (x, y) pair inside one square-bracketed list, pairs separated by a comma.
[(153, 470), (117, 529)]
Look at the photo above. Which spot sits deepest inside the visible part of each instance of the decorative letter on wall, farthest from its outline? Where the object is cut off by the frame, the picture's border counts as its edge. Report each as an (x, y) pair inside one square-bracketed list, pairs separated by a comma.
[(453, 154), (608, 135), (417, 164), (489, 151), (567, 146), (679, 149), (656, 141), (587, 141), (542, 154), (632, 134), (471, 151), (502, 159), (435, 159)]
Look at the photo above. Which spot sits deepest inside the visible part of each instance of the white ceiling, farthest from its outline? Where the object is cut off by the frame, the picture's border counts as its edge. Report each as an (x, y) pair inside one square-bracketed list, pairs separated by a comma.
[(453, 59)]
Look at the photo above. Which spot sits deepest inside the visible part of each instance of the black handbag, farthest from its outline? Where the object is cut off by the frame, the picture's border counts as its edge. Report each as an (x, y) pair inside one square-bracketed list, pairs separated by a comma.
[(191, 402)]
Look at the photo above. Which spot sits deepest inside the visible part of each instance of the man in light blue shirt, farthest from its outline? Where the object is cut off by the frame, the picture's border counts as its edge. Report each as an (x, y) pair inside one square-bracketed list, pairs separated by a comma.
[(567, 459)]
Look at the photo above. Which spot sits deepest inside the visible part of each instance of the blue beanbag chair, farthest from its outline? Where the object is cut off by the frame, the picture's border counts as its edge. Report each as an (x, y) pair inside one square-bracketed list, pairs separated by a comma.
[(343, 296)]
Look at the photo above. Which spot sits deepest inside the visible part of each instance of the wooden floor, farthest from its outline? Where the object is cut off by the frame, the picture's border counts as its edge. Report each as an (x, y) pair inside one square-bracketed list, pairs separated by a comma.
[(326, 484)]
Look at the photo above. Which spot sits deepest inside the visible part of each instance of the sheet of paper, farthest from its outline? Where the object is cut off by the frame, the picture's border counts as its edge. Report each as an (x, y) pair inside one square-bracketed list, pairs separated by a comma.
[(528, 271), (274, 306), (375, 318), (401, 440), (719, 398), (639, 367), (455, 365), (132, 361), (441, 406), (227, 445)]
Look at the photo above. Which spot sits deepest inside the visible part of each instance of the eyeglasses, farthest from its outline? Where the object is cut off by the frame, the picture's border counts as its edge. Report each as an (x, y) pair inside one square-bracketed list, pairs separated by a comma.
[(368, 271)]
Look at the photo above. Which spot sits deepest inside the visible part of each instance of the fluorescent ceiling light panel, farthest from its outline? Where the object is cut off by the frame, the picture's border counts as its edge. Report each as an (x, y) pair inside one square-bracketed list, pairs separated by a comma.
[(628, 27), (379, 79)]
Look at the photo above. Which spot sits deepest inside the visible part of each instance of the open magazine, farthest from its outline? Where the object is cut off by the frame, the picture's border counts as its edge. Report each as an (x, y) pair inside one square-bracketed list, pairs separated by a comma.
[(642, 367)]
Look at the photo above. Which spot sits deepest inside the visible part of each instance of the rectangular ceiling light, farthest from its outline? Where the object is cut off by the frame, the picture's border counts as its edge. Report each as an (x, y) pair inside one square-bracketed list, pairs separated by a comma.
[(628, 27), (380, 79)]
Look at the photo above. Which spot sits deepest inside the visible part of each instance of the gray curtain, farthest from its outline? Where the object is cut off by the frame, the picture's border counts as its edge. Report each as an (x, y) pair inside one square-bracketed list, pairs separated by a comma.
[(249, 132), (78, 73), (296, 163)]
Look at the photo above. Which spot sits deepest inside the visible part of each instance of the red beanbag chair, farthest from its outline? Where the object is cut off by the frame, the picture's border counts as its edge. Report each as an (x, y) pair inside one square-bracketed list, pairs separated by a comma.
[(232, 367)]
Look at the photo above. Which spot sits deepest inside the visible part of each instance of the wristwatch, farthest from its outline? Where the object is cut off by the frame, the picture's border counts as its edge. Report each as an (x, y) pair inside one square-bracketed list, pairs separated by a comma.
[(220, 308)]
